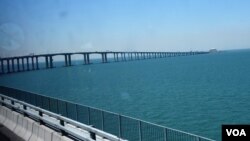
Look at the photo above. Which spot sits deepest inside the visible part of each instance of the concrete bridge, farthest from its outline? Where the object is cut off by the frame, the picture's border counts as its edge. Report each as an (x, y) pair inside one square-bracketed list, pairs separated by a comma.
[(31, 62)]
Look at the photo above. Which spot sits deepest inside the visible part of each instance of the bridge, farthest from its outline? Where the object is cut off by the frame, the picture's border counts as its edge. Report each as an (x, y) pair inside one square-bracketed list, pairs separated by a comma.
[(32, 62)]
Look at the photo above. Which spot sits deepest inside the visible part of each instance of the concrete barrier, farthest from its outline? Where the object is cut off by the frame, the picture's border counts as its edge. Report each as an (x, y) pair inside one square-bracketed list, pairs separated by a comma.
[(19, 125), (40, 133), (35, 130), (64, 138), (21, 131), (56, 136), (11, 119), (47, 133), (2, 114), (27, 129)]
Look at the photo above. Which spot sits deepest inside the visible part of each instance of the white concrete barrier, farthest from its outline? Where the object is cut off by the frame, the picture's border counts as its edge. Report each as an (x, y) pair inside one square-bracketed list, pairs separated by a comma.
[(47, 133), (64, 138), (35, 130), (28, 131), (56, 136), (21, 131), (40, 133), (13, 120), (19, 125), (2, 114), (7, 123)]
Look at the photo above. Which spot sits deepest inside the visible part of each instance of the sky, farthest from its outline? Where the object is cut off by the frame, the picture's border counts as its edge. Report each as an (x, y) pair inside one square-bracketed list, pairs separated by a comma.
[(49, 26)]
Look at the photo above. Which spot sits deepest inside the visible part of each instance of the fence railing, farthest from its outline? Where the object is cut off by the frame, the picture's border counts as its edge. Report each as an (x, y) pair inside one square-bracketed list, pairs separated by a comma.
[(119, 125)]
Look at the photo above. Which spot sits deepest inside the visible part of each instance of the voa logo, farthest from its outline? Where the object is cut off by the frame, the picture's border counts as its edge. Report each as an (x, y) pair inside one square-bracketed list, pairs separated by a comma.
[(236, 132)]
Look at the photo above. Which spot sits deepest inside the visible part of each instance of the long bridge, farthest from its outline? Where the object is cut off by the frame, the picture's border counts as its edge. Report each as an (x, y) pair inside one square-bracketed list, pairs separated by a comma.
[(32, 61)]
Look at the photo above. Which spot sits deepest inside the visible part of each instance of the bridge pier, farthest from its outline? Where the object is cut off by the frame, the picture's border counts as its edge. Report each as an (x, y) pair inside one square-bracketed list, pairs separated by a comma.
[(69, 59), (32, 62), (104, 58), (13, 65), (124, 56), (37, 65), (23, 64), (18, 65), (136, 56), (66, 59), (115, 57), (51, 61), (84, 59), (8, 65), (2, 66), (47, 62), (88, 61), (28, 67)]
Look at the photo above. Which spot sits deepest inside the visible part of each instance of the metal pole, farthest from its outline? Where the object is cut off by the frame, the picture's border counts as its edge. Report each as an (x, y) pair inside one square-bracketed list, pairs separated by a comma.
[(140, 134), (102, 121), (165, 134), (120, 126), (88, 115)]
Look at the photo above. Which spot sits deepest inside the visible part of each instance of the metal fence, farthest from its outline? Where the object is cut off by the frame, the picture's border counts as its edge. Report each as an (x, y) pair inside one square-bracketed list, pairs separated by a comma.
[(122, 126)]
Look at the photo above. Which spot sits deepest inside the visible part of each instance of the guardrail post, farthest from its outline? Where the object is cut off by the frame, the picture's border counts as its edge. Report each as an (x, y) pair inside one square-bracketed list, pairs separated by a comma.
[(2, 98), (165, 134), (120, 126), (77, 113), (12, 107), (140, 134), (197, 139), (24, 113), (62, 124), (102, 121), (88, 115), (40, 113), (92, 135)]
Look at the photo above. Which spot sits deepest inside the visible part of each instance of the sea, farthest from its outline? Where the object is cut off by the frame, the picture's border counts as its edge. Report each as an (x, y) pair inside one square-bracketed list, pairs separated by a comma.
[(196, 94)]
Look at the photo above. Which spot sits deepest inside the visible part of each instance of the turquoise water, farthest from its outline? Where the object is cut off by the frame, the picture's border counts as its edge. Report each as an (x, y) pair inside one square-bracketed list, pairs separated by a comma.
[(193, 93)]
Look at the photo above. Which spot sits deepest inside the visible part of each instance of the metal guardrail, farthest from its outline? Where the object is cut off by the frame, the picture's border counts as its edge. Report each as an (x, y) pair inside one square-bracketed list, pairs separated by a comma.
[(119, 125), (56, 121)]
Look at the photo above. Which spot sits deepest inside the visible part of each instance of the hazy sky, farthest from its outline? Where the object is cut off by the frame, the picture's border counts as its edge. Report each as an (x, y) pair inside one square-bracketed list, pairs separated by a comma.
[(46, 26)]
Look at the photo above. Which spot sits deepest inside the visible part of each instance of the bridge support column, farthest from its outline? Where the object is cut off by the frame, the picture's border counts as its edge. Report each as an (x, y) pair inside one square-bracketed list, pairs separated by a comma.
[(28, 65), (8, 65), (2, 67), (32, 62), (18, 65), (51, 61), (124, 57), (66, 60), (37, 65), (88, 62), (13, 64), (115, 57), (69, 59), (104, 58), (84, 59), (47, 62), (23, 64)]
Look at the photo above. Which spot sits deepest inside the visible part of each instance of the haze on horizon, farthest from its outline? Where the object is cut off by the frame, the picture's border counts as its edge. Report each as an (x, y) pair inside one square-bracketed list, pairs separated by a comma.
[(48, 26)]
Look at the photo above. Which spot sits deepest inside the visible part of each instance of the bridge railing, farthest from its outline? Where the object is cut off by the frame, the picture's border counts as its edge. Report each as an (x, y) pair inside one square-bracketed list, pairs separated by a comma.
[(119, 125)]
